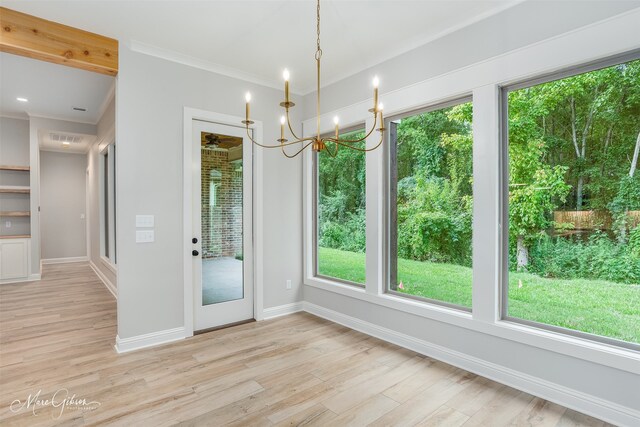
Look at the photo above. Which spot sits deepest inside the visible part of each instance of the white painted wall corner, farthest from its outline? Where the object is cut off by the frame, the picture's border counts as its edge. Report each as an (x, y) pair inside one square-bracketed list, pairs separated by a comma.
[(282, 310)]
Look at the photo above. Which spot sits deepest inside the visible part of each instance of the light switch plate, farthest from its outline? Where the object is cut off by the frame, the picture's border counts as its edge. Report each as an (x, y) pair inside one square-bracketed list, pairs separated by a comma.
[(145, 220), (145, 236)]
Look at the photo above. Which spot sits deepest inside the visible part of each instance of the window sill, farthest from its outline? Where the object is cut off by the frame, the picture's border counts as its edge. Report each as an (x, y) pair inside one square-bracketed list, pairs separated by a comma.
[(616, 357)]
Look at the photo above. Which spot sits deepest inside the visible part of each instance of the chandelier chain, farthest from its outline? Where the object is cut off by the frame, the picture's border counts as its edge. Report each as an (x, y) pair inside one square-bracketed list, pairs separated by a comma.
[(318, 50)]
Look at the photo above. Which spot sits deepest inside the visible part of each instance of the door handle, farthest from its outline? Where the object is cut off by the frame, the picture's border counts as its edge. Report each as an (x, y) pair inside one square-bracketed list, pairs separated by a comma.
[(195, 253), (194, 240)]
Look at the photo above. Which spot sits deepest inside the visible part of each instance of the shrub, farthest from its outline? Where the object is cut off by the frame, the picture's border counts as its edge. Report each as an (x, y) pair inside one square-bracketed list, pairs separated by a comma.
[(597, 258)]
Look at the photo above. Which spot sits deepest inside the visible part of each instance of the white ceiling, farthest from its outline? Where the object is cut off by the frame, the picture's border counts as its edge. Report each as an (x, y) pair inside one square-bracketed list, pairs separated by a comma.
[(256, 40), (52, 90)]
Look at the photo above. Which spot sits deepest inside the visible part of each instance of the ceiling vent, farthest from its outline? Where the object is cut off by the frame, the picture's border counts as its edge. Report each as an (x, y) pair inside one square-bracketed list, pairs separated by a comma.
[(69, 139)]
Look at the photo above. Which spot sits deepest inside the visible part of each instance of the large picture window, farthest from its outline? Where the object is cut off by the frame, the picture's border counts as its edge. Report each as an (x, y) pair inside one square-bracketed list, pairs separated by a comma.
[(430, 204), (340, 210), (573, 242)]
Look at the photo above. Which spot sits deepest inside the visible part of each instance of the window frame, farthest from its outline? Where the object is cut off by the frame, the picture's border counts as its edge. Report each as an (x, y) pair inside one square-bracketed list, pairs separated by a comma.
[(504, 90), (391, 182), (315, 165)]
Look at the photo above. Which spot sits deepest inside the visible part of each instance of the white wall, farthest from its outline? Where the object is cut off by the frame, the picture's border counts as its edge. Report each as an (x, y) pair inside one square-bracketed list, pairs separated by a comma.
[(592, 378), (14, 141), (35, 124), (105, 136), (150, 97), (14, 150), (62, 205)]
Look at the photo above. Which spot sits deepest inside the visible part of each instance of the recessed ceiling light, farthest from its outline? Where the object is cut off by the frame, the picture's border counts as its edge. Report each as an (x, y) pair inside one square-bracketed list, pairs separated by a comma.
[(21, 99)]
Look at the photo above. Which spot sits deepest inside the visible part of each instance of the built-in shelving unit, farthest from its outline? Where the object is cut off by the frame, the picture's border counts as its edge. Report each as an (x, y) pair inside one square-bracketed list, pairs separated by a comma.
[(15, 168), (15, 189), (15, 193), (15, 213)]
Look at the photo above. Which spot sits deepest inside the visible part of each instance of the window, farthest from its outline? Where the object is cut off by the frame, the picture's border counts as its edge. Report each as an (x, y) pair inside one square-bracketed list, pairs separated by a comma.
[(572, 251), (340, 210), (430, 205), (107, 203)]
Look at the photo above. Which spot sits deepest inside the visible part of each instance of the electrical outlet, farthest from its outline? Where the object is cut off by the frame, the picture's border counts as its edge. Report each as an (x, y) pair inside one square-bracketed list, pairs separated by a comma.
[(288, 284), (7, 224)]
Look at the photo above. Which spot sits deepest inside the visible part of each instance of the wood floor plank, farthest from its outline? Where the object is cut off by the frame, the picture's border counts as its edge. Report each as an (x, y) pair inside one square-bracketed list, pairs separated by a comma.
[(58, 333)]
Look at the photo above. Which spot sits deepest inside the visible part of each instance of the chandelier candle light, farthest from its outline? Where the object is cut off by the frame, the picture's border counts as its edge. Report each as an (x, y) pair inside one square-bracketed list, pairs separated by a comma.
[(317, 142)]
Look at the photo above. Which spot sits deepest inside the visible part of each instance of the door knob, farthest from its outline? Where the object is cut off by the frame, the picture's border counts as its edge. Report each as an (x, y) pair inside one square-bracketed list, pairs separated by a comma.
[(195, 253), (194, 240)]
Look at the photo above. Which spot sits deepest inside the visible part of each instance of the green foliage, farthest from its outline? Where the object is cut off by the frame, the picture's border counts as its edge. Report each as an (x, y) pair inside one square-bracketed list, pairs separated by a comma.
[(570, 145), (435, 223), (535, 187), (434, 185), (597, 258)]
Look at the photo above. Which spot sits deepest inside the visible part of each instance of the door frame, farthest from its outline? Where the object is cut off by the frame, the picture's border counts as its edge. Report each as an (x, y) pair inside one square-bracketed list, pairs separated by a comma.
[(191, 114)]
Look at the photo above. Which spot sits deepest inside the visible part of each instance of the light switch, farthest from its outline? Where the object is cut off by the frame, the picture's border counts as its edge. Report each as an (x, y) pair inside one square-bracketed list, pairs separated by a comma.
[(8, 224), (144, 220), (145, 236), (81, 216)]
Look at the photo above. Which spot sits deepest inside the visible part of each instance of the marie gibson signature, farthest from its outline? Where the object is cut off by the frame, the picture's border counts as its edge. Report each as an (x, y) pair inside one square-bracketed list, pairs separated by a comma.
[(61, 400)]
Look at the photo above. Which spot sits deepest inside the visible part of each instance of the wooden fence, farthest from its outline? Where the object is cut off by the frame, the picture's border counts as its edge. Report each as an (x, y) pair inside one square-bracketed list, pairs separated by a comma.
[(592, 220)]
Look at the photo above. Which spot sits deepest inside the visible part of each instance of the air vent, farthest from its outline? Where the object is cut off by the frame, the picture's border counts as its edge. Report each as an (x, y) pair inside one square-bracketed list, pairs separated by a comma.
[(69, 139)]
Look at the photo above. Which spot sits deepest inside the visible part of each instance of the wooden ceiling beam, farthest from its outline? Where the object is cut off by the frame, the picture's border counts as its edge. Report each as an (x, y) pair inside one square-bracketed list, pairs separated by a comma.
[(37, 38)]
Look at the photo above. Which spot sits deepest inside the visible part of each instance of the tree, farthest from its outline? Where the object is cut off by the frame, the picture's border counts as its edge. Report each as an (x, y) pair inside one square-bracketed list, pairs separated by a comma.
[(535, 187)]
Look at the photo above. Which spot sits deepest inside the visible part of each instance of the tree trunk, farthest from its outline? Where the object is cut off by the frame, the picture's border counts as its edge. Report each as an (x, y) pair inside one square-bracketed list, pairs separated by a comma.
[(522, 254), (579, 193), (634, 161)]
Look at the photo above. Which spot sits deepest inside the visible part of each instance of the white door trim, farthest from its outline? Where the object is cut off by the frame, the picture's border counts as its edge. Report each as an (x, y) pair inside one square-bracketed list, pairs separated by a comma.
[(191, 114)]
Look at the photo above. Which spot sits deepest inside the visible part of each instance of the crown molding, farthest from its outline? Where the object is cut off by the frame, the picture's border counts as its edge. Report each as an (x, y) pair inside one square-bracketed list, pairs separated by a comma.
[(14, 116), (202, 64), (415, 45), (61, 118)]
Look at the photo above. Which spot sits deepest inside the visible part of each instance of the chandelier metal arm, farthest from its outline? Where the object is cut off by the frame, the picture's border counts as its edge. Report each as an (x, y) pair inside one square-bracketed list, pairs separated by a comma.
[(290, 127), (282, 144), (304, 147), (355, 141), (363, 149)]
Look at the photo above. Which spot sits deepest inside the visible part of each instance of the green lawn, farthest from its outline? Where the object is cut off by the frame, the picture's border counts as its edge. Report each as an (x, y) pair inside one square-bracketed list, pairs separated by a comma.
[(594, 306)]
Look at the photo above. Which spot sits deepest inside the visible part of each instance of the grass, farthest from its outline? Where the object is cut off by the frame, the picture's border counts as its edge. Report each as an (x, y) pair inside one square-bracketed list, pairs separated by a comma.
[(594, 306)]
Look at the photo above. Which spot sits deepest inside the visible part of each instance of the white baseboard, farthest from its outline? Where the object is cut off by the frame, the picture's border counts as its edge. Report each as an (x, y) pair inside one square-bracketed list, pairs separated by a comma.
[(64, 260), (107, 283), (582, 402), (282, 310), (31, 278), (124, 345)]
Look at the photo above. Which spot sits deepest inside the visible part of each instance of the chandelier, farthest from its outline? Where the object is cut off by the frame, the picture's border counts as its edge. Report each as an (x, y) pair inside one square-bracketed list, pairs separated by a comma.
[(318, 143)]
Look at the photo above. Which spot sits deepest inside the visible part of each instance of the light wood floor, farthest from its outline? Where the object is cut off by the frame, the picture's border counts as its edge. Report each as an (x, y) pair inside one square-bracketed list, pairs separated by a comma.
[(58, 333)]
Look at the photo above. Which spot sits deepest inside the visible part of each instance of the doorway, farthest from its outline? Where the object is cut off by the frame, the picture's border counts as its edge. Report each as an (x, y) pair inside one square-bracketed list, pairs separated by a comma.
[(221, 213)]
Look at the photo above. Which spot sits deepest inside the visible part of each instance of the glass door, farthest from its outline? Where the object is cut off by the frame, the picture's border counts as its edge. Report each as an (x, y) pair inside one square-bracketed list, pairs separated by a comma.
[(222, 256)]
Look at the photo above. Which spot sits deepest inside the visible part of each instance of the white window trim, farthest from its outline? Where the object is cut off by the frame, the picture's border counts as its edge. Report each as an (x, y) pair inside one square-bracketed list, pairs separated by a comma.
[(484, 79)]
